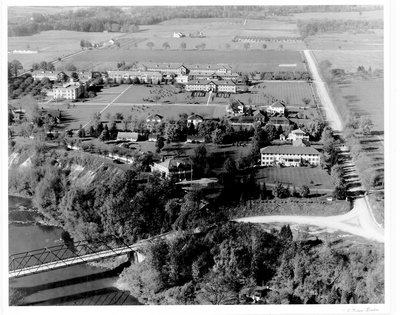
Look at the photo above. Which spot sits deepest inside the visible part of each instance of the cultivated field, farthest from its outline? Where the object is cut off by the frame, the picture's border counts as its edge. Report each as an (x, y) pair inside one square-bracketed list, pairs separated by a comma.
[(364, 16), (241, 60), (52, 44), (365, 98), (315, 178), (347, 41), (349, 60), (218, 33)]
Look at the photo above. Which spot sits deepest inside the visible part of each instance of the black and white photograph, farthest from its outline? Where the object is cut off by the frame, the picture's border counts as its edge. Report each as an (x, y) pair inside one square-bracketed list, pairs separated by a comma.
[(217, 157)]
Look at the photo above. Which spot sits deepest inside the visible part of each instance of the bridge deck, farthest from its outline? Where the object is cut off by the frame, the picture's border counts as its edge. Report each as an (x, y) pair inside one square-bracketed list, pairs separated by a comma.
[(71, 261)]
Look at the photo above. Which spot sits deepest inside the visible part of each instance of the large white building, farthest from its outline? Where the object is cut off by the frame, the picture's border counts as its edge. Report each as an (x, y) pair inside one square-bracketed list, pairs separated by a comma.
[(143, 76), (214, 86), (70, 91), (289, 155)]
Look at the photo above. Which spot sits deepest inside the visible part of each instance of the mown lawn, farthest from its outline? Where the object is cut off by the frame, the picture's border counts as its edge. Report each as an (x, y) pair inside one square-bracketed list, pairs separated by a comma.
[(314, 177)]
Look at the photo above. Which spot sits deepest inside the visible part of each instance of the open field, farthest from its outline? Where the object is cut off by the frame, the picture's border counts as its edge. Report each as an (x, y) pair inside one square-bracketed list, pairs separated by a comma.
[(315, 178), (218, 32), (81, 114), (349, 60), (365, 15), (292, 92), (366, 98), (346, 41), (52, 44), (241, 60)]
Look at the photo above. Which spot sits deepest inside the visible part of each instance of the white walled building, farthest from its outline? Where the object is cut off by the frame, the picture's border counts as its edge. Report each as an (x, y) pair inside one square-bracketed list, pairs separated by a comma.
[(289, 155)]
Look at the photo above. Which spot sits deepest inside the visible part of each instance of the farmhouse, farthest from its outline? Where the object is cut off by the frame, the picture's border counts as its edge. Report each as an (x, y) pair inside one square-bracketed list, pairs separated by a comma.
[(289, 155), (260, 117), (214, 86), (279, 121), (277, 107), (242, 122), (178, 35), (298, 134), (70, 91), (153, 137), (182, 79), (195, 139), (131, 136), (194, 119), (143, 76), (164, 68), (235, 107), (173, 168), (39, 75)]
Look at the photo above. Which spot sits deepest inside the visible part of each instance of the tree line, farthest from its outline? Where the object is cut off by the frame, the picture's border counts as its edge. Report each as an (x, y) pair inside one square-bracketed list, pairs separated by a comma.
[(313, 27)]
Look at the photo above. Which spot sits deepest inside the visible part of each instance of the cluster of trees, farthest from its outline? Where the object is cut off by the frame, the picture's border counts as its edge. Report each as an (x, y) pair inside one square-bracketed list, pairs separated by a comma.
[(25, 85), (45, 66), (109, 19), (330, 160), (313, 27), (284, 75), (362, 125), (14, 67), (228, 263)]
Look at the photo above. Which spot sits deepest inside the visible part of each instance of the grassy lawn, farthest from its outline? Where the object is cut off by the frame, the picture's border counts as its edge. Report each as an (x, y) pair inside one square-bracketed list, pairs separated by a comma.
[(315, 178)]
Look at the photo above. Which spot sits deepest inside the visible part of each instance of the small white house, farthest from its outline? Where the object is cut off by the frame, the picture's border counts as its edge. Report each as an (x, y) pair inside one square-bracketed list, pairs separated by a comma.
[(178, 35), (298, 134)]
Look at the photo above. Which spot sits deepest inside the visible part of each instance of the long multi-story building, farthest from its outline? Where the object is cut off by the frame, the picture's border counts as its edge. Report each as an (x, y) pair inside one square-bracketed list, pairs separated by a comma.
[(143, 76), (164, 68), (209, 69), (214, 86), (289, 155)]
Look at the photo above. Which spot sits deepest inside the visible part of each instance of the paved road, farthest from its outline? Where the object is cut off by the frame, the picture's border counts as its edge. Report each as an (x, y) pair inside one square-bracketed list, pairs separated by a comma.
[(357, 222), (331, 113)]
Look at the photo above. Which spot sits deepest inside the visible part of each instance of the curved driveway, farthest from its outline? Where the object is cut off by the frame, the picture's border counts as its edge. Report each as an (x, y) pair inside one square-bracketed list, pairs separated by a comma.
[(357, 222)]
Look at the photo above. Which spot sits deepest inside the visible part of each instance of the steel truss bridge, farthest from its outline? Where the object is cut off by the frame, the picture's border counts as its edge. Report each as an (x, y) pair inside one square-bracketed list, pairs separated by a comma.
[(70, 254)]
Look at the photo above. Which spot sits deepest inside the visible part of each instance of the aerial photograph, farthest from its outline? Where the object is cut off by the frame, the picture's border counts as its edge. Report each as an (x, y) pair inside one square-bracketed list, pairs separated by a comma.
[(196, 155)]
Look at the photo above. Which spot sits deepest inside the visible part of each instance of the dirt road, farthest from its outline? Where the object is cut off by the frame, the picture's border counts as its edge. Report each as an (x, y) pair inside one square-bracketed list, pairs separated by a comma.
[(331, 113), (357, 221)]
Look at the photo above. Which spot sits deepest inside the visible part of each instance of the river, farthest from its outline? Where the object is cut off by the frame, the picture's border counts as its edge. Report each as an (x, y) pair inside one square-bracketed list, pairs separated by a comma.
[(77, 285)]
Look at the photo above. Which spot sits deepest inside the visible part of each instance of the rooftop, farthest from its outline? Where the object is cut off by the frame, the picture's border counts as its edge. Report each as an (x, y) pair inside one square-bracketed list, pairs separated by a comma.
[(288, 149)]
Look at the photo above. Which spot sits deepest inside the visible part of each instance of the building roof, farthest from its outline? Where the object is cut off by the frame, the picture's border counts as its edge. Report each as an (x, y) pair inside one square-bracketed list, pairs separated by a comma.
[(209, 66), (133, 135), (278, 104), (153, 116), (298, 131), (242, 119), (301, 142), (195, 116), (216, 82), (133, 73), (173, 163), (279, 120), (163, 65), (288, 149)]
